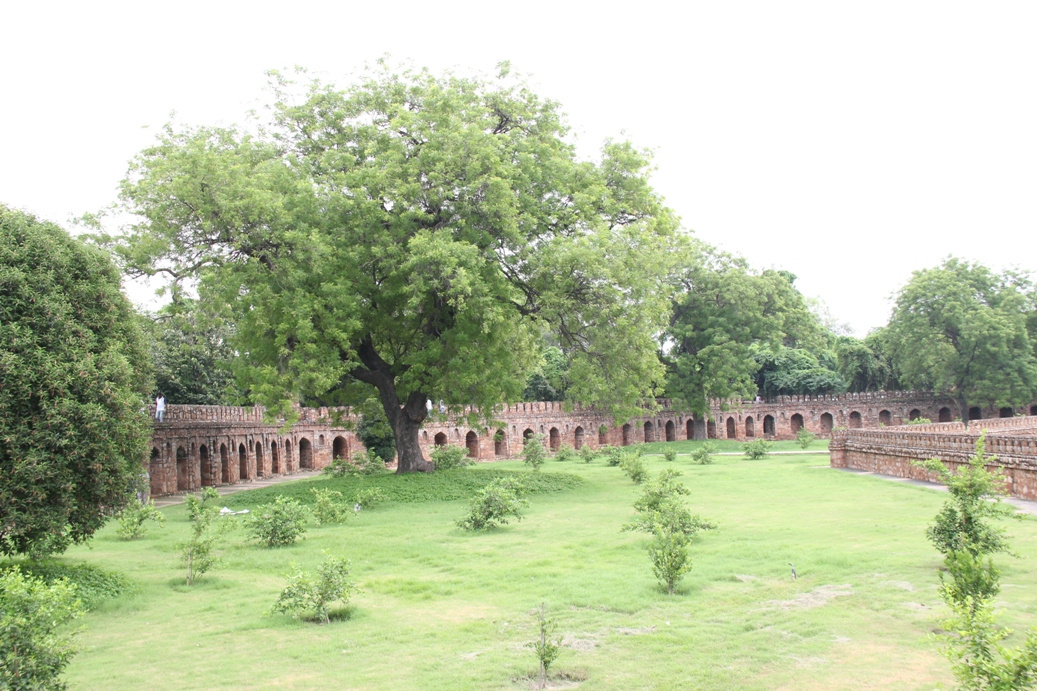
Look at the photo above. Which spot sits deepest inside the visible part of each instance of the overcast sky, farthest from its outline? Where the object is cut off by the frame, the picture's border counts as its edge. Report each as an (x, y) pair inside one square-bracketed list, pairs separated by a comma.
[(849, 143)]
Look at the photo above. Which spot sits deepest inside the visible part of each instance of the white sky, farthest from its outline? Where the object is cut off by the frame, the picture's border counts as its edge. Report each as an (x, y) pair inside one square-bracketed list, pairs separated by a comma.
[(850, 143)]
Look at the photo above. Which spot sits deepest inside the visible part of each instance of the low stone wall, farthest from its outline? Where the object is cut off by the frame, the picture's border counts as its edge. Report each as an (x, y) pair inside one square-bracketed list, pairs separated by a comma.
[(892, 451)]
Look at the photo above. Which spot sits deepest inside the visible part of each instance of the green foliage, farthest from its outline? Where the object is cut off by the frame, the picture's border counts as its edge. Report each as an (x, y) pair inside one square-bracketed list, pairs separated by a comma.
[(549, 381), (368, 463), (306, 594), (492, 506), (919, 421), (35, 646), (328, 507), (370, 497), (74, 373), (805, 437), (670, 455), (196, 552), (375, 433), (278, 524), (787, 371), (613, 455), (756, 449), (533, 452), (566, 453), (961, 329), (133, 519), (975, 497), (861, 365), (703, 455), (670, 559), (587, 454), (661, 508), (93, 584), (412, 234), (447, 457), (634, 466), (547, 646), (722, 311), (192, 352), (978, 660)]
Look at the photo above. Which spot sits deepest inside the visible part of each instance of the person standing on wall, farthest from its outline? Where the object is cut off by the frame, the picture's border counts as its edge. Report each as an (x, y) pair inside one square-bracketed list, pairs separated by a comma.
[(160, 407)]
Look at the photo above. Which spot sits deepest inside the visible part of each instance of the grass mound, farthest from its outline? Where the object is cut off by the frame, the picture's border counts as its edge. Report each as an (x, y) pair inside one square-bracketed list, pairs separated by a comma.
[(444, 485), (93, 583)]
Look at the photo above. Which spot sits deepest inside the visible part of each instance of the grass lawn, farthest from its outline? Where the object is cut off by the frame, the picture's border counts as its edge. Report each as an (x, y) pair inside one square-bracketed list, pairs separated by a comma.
[(444, 609)]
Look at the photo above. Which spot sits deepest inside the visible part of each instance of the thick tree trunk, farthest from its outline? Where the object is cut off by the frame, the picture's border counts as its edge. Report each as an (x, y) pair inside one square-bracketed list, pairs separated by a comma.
[(963, 407)]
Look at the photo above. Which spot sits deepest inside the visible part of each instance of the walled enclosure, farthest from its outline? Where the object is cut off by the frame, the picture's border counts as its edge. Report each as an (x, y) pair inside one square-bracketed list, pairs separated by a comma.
[(203, 446), (892, 451)]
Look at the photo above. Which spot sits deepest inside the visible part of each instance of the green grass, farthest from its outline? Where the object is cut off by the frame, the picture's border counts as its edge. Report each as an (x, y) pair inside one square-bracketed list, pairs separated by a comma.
[(445, 609)]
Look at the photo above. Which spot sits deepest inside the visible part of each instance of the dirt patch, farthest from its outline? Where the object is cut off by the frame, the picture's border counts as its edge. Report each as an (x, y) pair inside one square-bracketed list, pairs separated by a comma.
[(817, 597), (579, 644), (635, 632), (901, 585)]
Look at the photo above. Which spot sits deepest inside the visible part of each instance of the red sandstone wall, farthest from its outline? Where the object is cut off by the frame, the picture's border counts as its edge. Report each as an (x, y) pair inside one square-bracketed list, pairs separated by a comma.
[(892, 451)]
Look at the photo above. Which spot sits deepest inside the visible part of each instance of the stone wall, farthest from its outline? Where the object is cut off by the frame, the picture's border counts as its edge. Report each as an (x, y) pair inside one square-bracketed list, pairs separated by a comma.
[(892, 451)]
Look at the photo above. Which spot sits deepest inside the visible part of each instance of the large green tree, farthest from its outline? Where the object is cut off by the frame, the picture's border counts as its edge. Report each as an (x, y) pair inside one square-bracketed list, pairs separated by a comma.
[(723, 312), (411, 233), (961, 329), (192, 354), (73, 378)]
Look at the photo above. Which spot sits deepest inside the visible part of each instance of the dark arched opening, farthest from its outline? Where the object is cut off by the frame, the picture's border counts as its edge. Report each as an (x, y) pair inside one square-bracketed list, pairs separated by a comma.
[(1006, 412), (554, 439), (153, 471), (750, 426), (856, 422), (626, 434), (242, 463), (224, 465), (260, 468), (711, 429), (500, 443), (578, 438), (649, 432), (768, 425), (471, 441), (885, 418), (975, 413), (183, 481), (797, 423), (275, 461), (671, 431), (945, 415), (826, 423), (690, 431), (305, 454), (914, 414), (340, 448)]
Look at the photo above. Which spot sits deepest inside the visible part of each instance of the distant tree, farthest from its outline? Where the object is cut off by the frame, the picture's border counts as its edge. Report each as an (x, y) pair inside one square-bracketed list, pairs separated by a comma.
[(860, 367), (795, 371), (961, 330), (722, 310), (73, 381), (192, 354), (549, 381), (374, 432), (410, 236)]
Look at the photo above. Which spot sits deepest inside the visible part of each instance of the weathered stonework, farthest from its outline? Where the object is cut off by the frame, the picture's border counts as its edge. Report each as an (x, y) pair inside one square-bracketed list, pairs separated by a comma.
[(201, 446), (892, 451)]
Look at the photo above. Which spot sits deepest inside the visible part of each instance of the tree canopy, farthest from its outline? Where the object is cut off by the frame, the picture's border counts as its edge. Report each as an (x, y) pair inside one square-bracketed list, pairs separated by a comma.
[(962, 330), (411, 233), (73, 370), (192, 355), (723, 313)]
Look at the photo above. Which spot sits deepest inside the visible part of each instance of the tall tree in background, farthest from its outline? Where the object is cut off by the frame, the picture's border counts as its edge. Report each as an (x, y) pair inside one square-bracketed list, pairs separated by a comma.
[(409, 234), (961, 329), (193, 358), (722, 311), (73, 377)]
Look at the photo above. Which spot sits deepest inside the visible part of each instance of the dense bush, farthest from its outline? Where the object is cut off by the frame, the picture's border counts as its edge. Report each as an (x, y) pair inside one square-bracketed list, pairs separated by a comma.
[(328, 507), (133, 519), (35, 646), (448, 457), (587, 454), (613, 455), (670, 455), (804, 437), (566, 453), (496, 503), (756, 449), (533, 452), (634, 466), (703, 455), (369, 497), (278, 524)]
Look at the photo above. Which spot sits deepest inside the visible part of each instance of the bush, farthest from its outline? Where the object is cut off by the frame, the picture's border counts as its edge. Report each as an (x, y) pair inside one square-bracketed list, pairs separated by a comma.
[(447, 457), (533, 452), (370, 497), (328, 507), (804, 437), (566, 453), (500, 500), (613, 455), (919, 421), (92, 583), (196, 552), (32, 651), (368, 463), (703, 455), (375, 433), (634, 466), (547, 646), (587, 454), (756, 449), (278, 524), (670, 455), (339, 467), (305, 594), (132, 520)]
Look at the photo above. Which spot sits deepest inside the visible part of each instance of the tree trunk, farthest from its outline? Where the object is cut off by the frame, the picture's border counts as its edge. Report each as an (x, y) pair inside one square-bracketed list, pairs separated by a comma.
[(963, 407)]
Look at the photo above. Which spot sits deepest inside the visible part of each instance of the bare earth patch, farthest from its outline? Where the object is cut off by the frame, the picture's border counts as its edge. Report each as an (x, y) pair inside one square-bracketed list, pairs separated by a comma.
[(815, 598)]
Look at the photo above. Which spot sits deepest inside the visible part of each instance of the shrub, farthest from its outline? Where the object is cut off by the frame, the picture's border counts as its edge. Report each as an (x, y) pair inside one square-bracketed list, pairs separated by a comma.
[(32, 651), (703, 455), (919, 421), (670, 455), (278, 524), (670, 559), (339, 467), (566, 453), (92, 583), (370, 497), (305, 594), (500, 500), (132, 520), (613, 455), (804, 437), (634, 466), (196, 552), (447, 457), (547, 646), (533, 453), (660, 506), (368, 463), (587, 454), (756, 449), (328, 507)]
